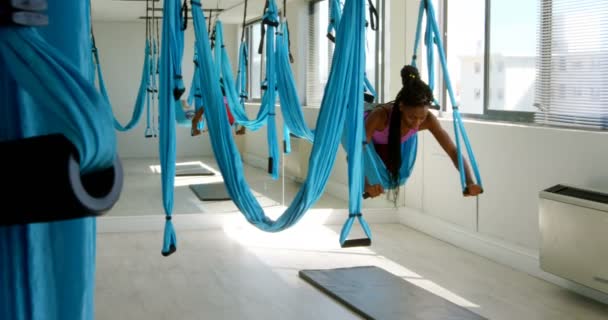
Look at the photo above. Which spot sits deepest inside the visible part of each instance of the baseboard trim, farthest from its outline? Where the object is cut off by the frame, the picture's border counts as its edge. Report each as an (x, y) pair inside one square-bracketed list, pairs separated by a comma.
[(202, 221), (519, 258), (335, 189)]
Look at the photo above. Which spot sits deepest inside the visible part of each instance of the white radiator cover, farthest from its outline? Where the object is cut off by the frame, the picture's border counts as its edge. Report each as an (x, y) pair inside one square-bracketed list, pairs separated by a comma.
[(574, 235)]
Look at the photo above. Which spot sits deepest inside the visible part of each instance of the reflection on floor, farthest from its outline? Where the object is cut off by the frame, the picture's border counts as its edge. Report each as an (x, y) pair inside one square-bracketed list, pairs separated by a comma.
[(142, 190)]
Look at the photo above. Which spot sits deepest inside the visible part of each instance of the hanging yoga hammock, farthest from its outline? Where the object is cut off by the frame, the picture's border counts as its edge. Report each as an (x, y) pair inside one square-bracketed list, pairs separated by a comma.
[(433, 36), (170, 90), (335, 14), (147, 77), (266, 114), (142, 93), (154, 61), (342, 98), (51, 107)]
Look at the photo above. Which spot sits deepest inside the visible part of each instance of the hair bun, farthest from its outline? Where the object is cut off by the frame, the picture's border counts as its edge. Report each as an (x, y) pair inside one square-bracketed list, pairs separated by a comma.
[(409, 73)]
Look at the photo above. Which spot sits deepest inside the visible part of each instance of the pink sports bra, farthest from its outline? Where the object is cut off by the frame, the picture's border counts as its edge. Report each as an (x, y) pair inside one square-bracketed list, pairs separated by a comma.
[(381, 137)]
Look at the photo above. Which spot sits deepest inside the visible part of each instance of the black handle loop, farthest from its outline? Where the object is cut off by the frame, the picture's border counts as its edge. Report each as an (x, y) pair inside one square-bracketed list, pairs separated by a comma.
[(373, 15), (185, 15)]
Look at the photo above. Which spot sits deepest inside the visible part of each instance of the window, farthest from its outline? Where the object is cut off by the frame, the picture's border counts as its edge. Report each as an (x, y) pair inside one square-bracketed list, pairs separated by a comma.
[(541, 61), (573, 74), (255, 70), (491, 45), (320, 51), (465, 53)]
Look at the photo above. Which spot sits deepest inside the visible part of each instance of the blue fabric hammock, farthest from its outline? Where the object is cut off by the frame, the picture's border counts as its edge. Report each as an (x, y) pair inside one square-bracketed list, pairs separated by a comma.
[(433, 36), (171, 84), (267, 114), (291, 106), (194, 94), (142, 93), (376, 171), (152, 96), (241, 77), (342, 102), (335, 15), (47, 270), (374, 168), (235, 95)]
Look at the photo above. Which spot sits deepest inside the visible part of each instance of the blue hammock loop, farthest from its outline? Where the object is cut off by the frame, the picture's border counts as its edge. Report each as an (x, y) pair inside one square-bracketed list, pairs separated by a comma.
[(433, 37), (347, 69), (347, 243)]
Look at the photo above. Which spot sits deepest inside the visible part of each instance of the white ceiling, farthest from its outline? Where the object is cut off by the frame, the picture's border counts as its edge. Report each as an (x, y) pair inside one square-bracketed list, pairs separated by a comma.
[(131, 10)]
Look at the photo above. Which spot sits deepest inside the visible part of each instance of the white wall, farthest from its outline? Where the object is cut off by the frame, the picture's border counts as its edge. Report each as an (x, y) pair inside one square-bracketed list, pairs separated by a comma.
[(121, 50), (516, 162)]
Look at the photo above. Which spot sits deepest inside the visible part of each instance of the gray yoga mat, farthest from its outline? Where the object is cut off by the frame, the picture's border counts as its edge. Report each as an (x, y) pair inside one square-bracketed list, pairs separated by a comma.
[(374, 293), (210, 191), (192, 170)]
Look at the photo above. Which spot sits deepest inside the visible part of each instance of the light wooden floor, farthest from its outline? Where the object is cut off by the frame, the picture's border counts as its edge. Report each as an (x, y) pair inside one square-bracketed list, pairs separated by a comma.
[(243, 273), (238, 272)]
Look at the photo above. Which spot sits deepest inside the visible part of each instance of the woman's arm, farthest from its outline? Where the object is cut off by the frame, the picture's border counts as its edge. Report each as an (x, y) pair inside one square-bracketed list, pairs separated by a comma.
[(432, 124)]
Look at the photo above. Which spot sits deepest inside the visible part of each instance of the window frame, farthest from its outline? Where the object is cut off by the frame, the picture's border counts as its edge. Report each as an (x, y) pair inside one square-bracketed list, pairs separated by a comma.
[(253, 49), (525, 117)]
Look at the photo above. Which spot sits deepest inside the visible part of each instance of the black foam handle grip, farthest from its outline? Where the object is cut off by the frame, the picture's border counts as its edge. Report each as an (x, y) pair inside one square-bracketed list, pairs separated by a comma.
[(364, 242), (41, 182), (270, 164)]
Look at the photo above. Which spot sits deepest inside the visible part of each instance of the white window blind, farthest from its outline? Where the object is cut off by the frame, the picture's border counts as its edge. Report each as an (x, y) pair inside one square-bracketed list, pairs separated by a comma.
[(572, 65)]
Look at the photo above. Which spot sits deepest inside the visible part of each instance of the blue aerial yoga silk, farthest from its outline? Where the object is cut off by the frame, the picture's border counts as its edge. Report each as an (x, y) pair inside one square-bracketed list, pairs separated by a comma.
[(171, 51), (235, 93), (433, 36), (47, 270), (291, 107), (267, 114), (342, 102), (142, 93), (335, 15)]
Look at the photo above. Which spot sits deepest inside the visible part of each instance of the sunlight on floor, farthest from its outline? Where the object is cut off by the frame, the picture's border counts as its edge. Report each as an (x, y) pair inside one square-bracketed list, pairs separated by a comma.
[(325, 240), (156, 168)]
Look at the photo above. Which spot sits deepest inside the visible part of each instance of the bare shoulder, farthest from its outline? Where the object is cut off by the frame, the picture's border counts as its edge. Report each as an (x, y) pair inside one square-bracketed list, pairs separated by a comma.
[(378, 117), (430, 123)]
